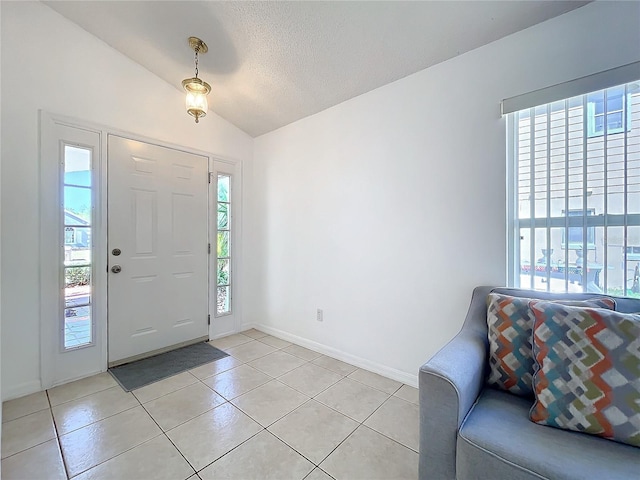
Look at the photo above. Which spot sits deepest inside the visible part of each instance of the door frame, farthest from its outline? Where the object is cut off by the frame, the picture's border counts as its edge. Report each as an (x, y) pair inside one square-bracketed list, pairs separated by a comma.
[(49, 254), (235, 242), (47, 124)]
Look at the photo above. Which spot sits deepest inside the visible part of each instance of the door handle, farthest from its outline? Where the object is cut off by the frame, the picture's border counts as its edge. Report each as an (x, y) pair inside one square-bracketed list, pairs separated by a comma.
[(116, 269)]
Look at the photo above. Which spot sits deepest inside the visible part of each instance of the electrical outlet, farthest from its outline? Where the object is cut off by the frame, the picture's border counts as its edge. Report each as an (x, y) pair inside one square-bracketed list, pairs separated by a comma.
[(319, 315)]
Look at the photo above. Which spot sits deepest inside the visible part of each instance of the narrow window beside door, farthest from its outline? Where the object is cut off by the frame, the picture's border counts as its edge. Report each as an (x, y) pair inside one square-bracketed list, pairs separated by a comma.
[(223, 247), (77, 263)]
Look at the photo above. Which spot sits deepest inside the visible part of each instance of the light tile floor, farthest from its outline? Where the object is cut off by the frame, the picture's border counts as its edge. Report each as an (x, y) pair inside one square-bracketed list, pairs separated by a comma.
[(272, 410)]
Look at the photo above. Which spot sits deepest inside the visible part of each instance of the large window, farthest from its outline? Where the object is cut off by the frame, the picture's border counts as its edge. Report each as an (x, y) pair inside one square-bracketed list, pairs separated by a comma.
[(577, 193)]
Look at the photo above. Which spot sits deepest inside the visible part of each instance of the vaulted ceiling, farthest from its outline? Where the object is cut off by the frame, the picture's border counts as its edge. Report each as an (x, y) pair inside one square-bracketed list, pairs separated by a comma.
[(272, 63)]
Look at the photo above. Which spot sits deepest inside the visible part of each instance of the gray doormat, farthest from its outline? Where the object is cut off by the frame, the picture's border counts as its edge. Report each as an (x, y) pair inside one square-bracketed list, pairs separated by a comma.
[(149, 370)]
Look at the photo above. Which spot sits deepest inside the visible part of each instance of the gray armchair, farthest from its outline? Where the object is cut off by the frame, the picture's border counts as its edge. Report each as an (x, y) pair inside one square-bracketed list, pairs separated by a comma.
[(468, 431)]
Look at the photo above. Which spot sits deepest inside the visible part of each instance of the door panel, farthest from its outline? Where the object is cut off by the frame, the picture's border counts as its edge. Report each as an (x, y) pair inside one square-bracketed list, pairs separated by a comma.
[(157, 217)]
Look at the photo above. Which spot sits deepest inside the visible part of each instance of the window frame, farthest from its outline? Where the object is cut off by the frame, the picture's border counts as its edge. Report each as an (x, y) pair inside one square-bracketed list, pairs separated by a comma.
[(570, 231), (56, 364), (592, 132), (229, 257), (586, 223), (71, 239), (63, 261)]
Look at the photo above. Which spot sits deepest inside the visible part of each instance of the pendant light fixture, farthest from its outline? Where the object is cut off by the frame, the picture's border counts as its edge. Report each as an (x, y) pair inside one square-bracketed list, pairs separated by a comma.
[(197, 90)]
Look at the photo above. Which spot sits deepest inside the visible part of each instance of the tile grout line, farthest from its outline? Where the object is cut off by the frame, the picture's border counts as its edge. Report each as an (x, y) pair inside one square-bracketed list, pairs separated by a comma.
[(251, 389), (140, 404), (116, 456), (279, 418), (178, 390), (316, 465), (121, 453), (331, 408), (81, 396), (309, 398), (360, 424), (371, 386), (171, 441), (55, 428), (327, 388), (227, 453), (315, 394), (383, 434), (97, 421), (266, 429), (234, 406), (37, 444), (323, 471), (220, 372), (168, 393)]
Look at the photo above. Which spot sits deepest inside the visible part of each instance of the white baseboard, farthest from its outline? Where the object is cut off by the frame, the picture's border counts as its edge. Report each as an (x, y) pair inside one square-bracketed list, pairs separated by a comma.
[(248, 326), (230, 332), (34, 386), (73, 379), (379, 368), (17, 391)]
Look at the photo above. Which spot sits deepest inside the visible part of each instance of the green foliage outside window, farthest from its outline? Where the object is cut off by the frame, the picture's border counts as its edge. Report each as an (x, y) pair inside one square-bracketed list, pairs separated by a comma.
[(77, 276)]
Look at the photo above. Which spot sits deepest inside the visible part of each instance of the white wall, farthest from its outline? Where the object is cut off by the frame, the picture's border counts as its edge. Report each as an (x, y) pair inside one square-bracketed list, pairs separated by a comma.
[(386, 210), (50, 63), (0, 253)]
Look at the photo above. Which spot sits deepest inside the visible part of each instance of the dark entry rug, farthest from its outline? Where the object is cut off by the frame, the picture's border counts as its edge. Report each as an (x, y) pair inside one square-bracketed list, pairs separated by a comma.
[(149, 370)]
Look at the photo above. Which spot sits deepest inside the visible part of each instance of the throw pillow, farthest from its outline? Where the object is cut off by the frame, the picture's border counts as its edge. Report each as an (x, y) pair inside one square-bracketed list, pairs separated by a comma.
[(510, 326), (588, 376)]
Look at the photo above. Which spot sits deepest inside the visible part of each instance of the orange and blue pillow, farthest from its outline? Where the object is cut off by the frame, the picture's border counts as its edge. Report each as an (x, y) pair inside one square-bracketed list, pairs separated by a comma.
[(510, 328), (588, 375)]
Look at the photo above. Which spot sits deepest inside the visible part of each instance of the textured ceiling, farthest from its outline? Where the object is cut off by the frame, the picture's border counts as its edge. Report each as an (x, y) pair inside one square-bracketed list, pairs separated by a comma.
[(272, 63)]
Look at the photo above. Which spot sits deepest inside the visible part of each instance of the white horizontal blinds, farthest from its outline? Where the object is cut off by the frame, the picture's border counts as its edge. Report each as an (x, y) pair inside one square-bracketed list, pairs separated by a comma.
[(591, 83), (577, 186)]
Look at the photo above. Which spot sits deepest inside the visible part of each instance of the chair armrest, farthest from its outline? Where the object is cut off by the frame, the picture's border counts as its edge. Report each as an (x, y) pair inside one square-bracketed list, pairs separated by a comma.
[(449, 385)]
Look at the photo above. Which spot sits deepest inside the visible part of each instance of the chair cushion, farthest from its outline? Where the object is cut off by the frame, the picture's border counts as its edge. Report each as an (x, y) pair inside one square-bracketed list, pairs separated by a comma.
[(497, 440), (588, 371), (510, 326)]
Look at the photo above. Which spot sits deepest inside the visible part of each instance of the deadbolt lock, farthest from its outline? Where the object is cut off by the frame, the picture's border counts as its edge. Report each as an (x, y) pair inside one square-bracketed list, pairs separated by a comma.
[(116, 251)]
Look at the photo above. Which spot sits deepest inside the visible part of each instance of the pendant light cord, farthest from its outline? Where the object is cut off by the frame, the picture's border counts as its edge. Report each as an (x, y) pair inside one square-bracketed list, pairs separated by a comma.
[(197, 61)]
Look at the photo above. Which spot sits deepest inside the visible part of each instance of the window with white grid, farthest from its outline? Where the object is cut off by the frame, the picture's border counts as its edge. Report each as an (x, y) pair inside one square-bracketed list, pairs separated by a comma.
[(576, 193)]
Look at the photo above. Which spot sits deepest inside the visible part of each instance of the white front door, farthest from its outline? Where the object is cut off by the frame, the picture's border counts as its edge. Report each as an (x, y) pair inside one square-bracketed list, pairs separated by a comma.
[(157, 247)]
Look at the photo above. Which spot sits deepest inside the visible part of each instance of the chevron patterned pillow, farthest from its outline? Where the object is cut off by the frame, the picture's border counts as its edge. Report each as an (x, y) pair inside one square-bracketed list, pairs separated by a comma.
[(588, 376), (510, 326)]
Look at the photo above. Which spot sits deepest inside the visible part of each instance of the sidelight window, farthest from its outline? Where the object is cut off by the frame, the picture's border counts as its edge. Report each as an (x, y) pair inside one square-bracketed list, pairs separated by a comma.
[(77, 245), (223, 246)]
